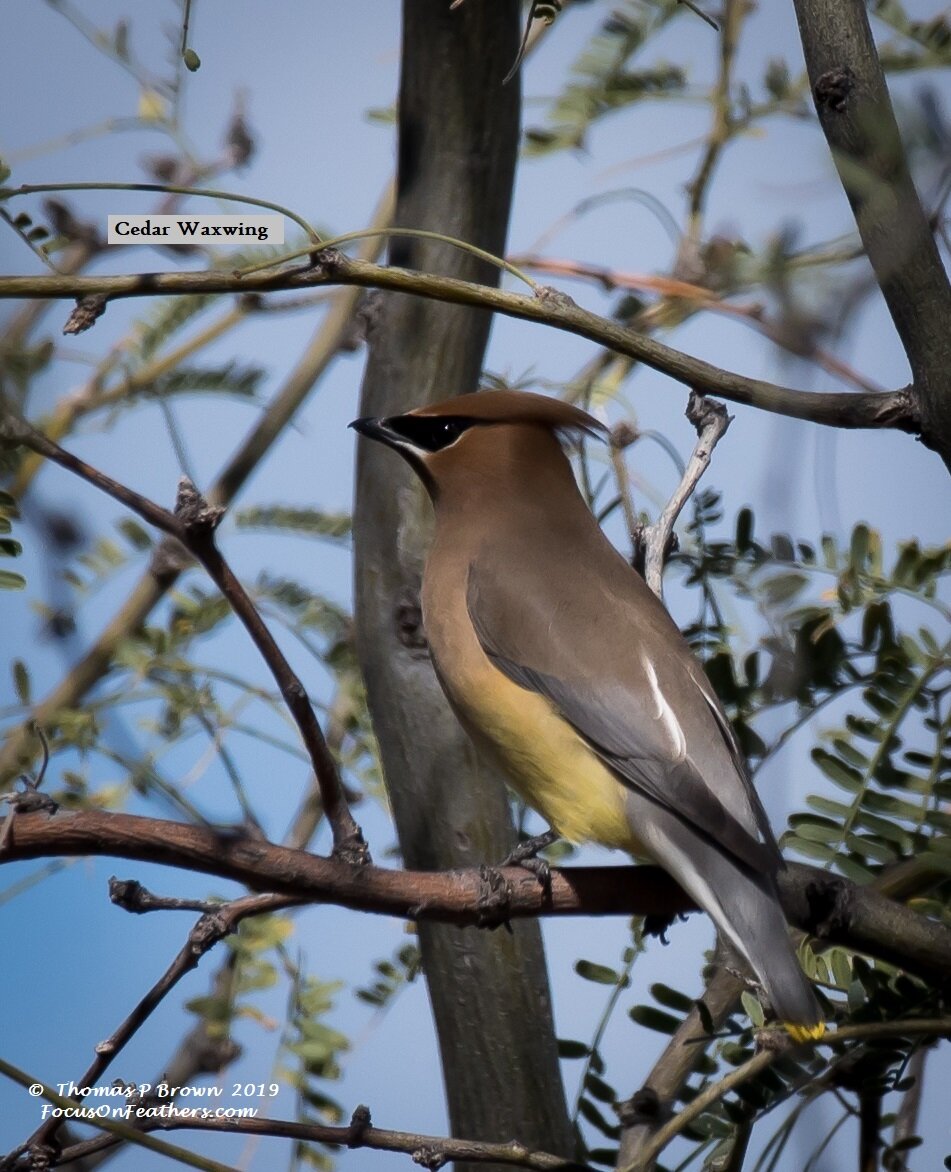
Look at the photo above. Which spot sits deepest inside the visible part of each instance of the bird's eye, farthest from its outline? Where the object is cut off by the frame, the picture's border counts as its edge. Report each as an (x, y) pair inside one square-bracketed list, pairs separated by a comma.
[(449, 430), (430, 432)]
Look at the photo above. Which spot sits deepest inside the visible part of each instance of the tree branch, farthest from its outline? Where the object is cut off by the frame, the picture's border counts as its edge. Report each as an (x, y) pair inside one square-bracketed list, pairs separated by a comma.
[(711, 421), (824, 905), (852, 409), (856, 115), (429, 1151)]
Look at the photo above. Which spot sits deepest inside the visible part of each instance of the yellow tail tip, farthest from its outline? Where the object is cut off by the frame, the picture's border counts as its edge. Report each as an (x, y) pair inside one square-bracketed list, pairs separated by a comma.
[(805, 1033)]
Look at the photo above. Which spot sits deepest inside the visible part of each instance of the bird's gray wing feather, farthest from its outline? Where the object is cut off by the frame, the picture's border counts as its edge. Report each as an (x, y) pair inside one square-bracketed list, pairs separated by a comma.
[(634, 744)]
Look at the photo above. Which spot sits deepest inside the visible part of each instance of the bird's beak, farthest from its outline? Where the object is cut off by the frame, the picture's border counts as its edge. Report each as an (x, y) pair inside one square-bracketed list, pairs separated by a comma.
[(375, 429)]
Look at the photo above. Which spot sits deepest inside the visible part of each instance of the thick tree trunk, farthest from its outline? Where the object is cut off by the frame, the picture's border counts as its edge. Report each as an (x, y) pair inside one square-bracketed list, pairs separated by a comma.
[(458, 140), (856, 115)]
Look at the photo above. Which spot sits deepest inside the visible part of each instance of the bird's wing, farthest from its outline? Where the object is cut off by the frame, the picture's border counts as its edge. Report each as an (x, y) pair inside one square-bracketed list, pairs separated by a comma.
[(615, 703)]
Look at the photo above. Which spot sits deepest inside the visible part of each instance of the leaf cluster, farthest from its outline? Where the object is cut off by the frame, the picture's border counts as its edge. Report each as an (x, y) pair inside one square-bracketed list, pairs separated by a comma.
[(603, 78)]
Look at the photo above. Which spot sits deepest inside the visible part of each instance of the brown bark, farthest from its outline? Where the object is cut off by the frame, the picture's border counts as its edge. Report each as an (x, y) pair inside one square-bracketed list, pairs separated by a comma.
[(458, 140), (856, 115)]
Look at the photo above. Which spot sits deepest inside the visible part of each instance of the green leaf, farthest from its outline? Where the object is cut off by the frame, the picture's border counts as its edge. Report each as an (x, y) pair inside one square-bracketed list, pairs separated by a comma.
[(308, 522), (855, 995), (869, 848), (784, 587), (599, 1089), (590, 1112), (136, 535), (735, 1054), (599, 973), (841, 965), (316, 1051), (744, 530), (815, 829), (858, 550), (569, 1048), (753, 1008), (830, 551), (905, 1144), (827, 806), (849, 753), (654, 1019), (21, 681), (936, 860), (884, 828), (854, 870), (812, 850), (837, 771), (11, 581), (672, 998)]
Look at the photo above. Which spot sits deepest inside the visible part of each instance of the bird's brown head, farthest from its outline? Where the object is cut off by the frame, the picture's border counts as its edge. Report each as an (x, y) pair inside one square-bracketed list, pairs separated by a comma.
[(493, 434)]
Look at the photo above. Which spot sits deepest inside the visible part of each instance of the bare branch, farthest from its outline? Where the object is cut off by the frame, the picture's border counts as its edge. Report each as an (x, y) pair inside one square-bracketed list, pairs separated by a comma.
[(824, 905), (856, 115), (711, 421), (699, 298), (854, 409), (429, 1151)]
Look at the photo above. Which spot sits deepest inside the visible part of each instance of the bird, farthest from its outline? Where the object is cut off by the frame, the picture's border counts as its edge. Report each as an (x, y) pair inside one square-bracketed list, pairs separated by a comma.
[(569, 674)]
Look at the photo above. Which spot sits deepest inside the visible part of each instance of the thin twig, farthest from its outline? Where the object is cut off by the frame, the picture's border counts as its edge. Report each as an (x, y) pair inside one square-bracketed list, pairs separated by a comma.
[(699, 298), (429, 1151), (906, 1117), (711, 421), (734, 12)]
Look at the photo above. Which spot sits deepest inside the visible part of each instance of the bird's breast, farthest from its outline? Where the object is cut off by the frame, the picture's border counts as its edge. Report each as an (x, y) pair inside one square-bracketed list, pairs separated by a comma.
[(548, 764)]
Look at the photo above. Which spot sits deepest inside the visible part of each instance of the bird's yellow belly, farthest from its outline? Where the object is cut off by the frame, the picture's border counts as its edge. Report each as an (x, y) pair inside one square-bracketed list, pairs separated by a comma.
[(550, 767)]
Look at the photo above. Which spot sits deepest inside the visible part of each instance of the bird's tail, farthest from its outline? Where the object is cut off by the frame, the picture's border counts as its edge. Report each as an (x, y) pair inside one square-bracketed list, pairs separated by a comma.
[(744, 906), (752, 920)]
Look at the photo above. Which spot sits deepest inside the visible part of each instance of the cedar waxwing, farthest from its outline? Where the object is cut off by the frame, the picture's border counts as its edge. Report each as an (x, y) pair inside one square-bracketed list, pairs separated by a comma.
[(567, 671)]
